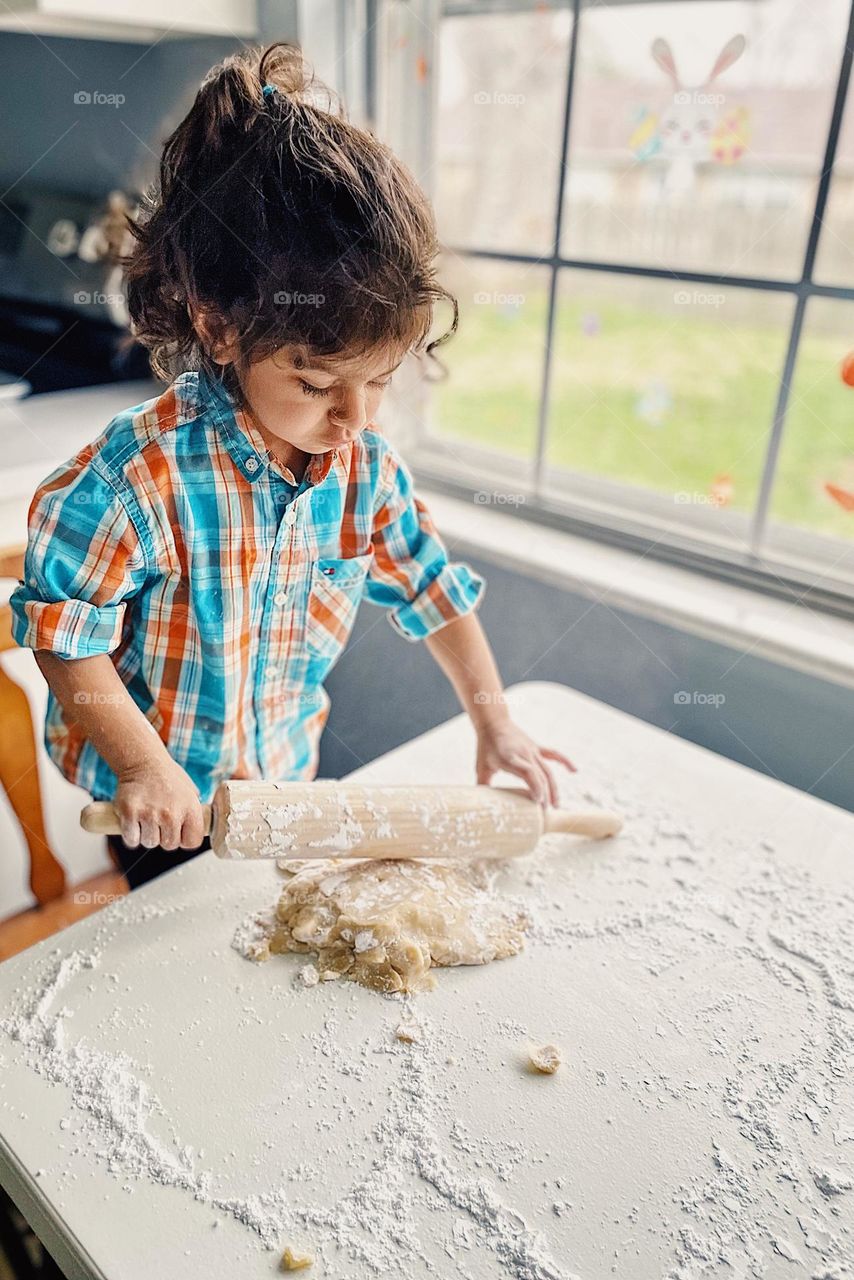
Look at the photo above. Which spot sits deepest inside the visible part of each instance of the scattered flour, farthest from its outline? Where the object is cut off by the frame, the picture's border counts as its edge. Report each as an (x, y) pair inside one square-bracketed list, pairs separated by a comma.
[(772, 1197), (373, 1222), (109, 1088), (777, 1102)]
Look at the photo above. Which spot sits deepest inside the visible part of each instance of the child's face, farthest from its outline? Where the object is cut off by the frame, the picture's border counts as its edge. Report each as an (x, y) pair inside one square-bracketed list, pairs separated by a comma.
[(321, 404)]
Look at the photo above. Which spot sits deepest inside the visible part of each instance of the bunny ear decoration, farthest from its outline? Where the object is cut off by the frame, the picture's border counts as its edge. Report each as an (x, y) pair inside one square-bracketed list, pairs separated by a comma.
[(663, 55), (730, 53)]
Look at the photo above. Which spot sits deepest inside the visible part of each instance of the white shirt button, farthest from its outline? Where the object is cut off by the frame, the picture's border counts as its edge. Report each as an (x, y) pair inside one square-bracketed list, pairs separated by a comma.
[(252, 463), (291, 515), (272, 672), (280, 597)]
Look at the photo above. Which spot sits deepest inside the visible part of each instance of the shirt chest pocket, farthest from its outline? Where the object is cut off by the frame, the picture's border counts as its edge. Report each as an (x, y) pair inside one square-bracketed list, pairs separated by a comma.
[(336, 589)]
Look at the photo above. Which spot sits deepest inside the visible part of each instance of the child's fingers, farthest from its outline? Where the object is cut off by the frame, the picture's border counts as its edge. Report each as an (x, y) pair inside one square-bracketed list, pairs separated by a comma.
[(170, 834), (553, 795), (130, 832), (193, 830), (149, 831), (483, 773), (533, 774), (561, 759)]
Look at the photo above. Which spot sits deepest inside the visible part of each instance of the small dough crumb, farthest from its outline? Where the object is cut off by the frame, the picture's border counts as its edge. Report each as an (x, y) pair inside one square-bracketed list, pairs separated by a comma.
[(292, 1261), (408, 1032), (545, 1058), (308, 975)]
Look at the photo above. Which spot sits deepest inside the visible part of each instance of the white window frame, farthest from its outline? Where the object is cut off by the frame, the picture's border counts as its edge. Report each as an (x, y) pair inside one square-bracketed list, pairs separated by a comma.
[(800, 566)]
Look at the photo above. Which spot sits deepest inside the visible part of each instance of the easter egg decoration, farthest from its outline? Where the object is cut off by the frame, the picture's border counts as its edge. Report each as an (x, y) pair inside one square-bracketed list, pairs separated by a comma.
[(721, 491), (843, 498), (655, 403), (645, 141)]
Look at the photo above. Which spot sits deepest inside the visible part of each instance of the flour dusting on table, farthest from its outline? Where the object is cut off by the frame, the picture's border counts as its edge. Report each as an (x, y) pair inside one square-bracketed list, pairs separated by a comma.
[(765, 1185)]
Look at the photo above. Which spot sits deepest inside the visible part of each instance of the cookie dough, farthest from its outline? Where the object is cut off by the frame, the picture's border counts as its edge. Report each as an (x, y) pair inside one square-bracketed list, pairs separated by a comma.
[(545, 1058), (296, 1260), (386, 923)]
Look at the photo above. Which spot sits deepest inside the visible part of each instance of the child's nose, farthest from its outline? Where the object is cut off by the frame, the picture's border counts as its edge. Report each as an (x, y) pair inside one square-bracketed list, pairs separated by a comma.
[(350, 411)]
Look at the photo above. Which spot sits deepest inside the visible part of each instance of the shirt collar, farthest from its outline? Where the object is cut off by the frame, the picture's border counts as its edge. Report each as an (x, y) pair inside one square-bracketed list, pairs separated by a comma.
[(245, 443)]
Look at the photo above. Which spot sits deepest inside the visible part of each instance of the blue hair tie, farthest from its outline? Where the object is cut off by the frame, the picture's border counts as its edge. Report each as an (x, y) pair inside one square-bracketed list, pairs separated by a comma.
[(268, 90)]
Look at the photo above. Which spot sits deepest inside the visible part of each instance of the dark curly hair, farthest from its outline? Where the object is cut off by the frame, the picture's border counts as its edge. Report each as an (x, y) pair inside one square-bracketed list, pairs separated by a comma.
[(276, 215)]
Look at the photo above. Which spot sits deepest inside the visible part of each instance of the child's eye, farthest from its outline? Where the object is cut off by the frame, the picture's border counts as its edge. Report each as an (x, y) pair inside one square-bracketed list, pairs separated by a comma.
[(311, 390)]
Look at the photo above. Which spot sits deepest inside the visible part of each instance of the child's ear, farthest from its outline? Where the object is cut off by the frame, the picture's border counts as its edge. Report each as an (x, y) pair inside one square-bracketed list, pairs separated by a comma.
[(219, 340)]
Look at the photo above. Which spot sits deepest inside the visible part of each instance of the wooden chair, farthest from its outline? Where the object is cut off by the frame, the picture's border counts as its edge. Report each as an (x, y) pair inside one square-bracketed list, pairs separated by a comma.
[(19, 776)]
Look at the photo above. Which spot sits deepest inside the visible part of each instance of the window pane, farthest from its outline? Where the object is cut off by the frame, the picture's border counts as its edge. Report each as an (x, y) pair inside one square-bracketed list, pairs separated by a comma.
[(814, 486), (502, 81), (834, 262), (671, 165), (495, 359), (667, 388)]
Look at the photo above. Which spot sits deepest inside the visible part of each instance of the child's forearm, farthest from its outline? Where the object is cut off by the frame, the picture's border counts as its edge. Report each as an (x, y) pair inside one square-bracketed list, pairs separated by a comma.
[(91, 692), (462, 651)]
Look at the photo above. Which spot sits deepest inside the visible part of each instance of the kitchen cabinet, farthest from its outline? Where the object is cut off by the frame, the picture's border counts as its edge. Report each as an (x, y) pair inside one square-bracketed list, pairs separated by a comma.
[(142, 20)]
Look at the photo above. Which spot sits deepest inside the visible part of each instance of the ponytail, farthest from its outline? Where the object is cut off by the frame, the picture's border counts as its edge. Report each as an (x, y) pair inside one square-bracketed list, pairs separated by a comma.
[(268, 197)]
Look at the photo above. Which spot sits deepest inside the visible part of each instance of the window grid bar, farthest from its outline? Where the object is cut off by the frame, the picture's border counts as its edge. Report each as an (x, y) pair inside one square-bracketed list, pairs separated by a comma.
[(772, 453), (548, 348), (776, 578), (766, 284), (370, 65)]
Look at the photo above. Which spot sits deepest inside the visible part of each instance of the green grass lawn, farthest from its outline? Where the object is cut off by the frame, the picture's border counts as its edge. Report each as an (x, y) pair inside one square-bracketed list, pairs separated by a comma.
[(667, 398)]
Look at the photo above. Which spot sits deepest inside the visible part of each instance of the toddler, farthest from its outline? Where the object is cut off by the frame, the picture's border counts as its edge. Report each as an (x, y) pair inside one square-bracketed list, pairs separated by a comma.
[(192, 575)]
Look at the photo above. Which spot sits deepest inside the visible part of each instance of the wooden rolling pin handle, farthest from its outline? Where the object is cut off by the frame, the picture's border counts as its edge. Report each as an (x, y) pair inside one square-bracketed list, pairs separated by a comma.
[(596, 825), (101, 819)]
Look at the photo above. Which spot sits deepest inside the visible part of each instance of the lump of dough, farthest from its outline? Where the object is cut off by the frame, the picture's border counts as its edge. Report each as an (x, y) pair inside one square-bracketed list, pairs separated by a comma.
[(545, 1059), (292, 1261), (386, 923), (308, 975)]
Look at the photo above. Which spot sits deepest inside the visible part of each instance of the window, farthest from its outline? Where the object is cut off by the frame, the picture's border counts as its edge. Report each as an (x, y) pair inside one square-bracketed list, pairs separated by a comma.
[(648, 217)]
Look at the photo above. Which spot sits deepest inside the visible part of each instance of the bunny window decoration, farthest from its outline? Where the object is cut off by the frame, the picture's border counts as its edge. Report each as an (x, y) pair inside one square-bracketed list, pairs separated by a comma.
[(694, 126)]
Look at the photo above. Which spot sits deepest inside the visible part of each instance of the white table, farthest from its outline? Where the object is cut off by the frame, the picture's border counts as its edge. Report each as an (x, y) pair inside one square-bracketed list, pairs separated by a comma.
[(698, 973)]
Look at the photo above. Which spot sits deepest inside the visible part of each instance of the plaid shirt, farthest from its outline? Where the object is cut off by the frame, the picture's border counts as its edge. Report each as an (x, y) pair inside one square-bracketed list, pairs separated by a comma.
[(223, 590)]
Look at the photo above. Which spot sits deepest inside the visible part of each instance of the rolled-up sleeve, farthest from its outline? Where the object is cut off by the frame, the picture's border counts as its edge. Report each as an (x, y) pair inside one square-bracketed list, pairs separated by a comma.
[(411, 573), (83, 562)]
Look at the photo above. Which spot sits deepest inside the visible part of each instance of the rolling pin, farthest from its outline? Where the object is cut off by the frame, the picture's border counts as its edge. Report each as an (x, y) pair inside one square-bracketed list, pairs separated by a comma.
[(332, 819)]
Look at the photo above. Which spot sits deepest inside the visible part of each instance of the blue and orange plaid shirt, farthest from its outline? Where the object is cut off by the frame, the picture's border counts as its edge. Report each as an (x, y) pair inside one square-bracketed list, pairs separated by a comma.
[(222, 589)]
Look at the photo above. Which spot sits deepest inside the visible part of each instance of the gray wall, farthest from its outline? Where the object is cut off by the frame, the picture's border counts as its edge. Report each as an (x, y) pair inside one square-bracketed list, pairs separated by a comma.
[(89, 149), (386, 690)]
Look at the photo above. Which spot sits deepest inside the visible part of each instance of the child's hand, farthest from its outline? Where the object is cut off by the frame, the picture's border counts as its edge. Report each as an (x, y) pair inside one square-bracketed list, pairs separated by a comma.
[(506, 746), (158, 804)]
